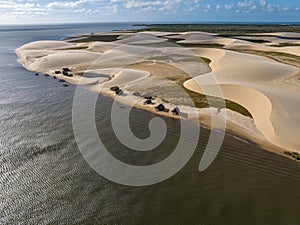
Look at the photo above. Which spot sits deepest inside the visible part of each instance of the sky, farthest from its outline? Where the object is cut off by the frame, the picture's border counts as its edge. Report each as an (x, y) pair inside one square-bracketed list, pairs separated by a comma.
[(69, 11)]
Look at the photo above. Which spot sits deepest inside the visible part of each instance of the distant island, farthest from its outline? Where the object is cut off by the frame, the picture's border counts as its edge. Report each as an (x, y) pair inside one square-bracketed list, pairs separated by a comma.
[(224, 29), (173, 70)]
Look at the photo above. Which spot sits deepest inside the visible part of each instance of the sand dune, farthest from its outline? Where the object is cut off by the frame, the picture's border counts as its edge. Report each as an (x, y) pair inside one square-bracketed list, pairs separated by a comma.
[(140, 38), (280, 34), (201, 38), (102, 46), (245, 45), (238, 44), (147, 62), (70, 59), (255, 83), (158, 33), (46, 55), (295, 50), (43, 45)]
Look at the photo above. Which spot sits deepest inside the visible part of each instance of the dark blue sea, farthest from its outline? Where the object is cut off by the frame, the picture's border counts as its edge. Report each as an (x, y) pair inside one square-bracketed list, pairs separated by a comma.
[(45, 180)]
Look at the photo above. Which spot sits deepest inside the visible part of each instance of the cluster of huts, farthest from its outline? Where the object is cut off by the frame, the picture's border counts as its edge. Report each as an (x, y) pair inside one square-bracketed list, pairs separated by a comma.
[(148, 100), (117, 90), (65, 71)]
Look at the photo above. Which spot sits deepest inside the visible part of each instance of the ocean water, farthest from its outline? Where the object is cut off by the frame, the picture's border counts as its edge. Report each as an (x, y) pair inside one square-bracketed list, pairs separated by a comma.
[(45, 180)]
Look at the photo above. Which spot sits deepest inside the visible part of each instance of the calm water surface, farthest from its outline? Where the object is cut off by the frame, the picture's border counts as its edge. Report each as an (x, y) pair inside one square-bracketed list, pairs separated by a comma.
[(45, 180)]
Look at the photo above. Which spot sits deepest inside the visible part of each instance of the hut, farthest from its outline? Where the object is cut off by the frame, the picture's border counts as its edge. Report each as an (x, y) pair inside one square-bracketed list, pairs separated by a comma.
[(137, 94), (148, 102), (66, 69), (65, 85), (69, 75), (176, 111), (147, 96), (115, 88), (36, 74), (54, 77), (46, 75), (62, 80), (65, 73), (57, 72), (119, 92), (160, 107)]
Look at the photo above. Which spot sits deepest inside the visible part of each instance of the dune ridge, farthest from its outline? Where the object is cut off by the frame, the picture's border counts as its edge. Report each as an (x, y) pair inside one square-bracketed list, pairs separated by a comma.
[(253, 82)]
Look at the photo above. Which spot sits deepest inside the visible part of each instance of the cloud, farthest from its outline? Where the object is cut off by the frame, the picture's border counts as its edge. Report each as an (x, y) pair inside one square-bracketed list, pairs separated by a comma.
[(207, 8), (141, 4), (218, 7), (14, 8), (247, 6), (263, 3), (155, 9), (228, 7), (69, 4), (271, 8), (250, 6), (167, 5)]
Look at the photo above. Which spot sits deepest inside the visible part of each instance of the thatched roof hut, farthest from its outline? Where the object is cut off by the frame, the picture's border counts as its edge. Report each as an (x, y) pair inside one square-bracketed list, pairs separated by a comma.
[(115, 88), (137, 94), (147, 96), (176, 111), (119, 92), (148, 102), (160, 107), (57, 72), (66, 69)]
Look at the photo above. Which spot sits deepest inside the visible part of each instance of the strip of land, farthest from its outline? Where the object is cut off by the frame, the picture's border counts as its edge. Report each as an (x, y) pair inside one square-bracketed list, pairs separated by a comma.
[(257, 75)]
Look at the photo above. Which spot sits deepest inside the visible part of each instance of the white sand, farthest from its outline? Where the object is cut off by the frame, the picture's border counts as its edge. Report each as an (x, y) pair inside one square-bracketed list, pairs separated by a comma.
[(280, 34), (256, 83), (140, 38), (269, 90)]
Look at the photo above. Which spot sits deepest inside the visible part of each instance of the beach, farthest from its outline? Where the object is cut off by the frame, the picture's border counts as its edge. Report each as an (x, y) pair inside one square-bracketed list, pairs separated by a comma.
[(167, 64)]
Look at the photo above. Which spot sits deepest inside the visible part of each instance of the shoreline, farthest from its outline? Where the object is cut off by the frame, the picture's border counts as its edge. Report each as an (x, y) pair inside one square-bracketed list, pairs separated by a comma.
[(236, 124)]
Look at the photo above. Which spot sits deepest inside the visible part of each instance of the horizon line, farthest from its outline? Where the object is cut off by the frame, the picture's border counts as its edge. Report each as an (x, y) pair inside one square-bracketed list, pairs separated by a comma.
[(156, 22)]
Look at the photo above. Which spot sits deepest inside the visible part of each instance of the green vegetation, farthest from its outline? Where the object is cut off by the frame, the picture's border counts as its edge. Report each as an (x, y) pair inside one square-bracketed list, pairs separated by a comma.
[(77, 48), (237, 108), (277, 56), (206, 60), (286, 45), (222, 29), (202, 101), (189, 45), (91, 38), (293, 155), (258, 41)]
